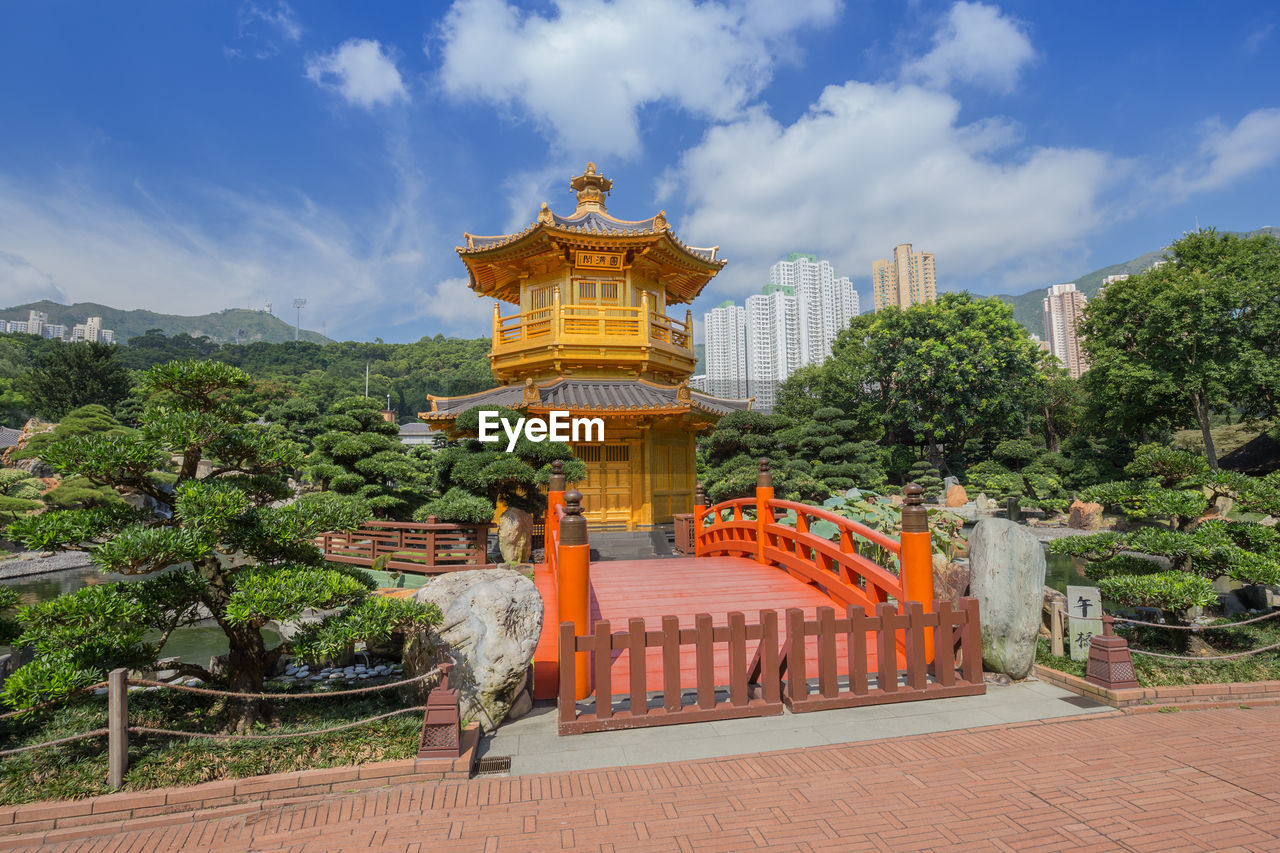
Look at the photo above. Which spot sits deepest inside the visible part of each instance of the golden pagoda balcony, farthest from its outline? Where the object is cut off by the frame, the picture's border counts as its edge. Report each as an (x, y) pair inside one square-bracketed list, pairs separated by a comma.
[(568, 335)]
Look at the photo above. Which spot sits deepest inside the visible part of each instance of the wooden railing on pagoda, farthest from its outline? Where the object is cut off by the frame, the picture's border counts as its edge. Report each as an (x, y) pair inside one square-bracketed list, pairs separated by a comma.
[(429, 547), (591, 322)]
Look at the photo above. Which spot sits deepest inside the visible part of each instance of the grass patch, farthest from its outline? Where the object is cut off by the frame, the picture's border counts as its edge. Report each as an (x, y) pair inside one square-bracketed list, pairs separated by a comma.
[(76, 770), (1226, 438), (1160, 672)]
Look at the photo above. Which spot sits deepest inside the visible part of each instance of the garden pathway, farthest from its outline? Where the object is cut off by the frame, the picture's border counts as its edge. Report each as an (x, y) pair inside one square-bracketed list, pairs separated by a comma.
[(1194, 780)]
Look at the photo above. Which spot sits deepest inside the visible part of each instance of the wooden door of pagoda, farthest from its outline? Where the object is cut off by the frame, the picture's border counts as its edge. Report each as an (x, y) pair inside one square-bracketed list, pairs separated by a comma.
[(606, 492)]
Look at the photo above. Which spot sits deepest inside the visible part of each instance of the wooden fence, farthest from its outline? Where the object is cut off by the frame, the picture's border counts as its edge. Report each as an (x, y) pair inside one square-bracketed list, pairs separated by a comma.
[(429, 547), (754, 688), (942, 631), (757, 664)]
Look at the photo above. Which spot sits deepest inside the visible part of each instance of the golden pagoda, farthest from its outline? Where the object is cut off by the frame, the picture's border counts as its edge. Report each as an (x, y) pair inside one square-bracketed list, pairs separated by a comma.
[(591, 336)]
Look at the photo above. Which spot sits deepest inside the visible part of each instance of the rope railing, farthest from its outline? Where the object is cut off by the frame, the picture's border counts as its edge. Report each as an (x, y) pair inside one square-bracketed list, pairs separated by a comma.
[(142, 682), (1197, 628), (49, 704), (1258, 651), (148, 730), (61, 740), (118, 727)]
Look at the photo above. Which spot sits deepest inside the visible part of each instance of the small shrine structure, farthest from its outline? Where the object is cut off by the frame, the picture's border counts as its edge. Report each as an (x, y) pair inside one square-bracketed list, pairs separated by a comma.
[(591, 336)]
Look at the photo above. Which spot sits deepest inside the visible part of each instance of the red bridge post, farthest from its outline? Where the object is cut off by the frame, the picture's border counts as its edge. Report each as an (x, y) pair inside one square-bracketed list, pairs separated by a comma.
[(555, 498), (574, 583), (764, 513), (917, 555), (699, 510)]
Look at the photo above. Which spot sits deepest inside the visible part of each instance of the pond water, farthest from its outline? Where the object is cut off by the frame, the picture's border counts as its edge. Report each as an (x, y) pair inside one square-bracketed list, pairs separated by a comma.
[(194, 644), (1061, 570)]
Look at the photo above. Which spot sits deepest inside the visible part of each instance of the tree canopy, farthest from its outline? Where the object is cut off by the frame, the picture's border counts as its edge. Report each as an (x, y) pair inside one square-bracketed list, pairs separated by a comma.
[(1195, 336), (222, 540)]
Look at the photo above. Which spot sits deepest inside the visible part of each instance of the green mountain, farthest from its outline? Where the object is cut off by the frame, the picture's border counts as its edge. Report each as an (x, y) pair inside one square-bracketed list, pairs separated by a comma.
[(1028, 308), (231, 325)]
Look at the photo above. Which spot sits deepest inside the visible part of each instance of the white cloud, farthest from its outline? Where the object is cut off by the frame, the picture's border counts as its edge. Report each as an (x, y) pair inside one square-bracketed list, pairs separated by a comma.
[(871, 166), (978, 45), (259, 26), (222, 249), (583, 73), (279, 16), (361, 71), (1226, 155), (21, 282)]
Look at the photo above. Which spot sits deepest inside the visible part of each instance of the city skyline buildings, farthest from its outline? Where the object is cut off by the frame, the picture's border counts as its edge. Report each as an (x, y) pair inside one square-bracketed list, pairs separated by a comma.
[(791, 323), (905, 280), (1063, 307), (37, 323)]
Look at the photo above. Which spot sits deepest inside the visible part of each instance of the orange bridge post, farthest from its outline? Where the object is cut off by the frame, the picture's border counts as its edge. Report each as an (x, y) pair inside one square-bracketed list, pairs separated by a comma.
[(699, 510), (917, 556), (764, 514), (555, 498), (574, 583)]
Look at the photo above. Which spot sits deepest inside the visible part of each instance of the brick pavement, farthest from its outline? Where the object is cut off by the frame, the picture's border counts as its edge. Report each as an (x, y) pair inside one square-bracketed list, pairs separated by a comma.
[(1194, 780)]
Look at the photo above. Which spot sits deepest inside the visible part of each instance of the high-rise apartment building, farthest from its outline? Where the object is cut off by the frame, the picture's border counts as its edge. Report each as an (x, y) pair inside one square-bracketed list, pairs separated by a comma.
[(773, 344), (36, 321), (906, 280), (1062, 309), (825, 303), (725, 329)]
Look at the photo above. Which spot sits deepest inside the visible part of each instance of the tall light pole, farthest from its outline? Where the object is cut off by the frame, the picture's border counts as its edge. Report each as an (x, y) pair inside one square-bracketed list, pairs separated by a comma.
[(298, 304)]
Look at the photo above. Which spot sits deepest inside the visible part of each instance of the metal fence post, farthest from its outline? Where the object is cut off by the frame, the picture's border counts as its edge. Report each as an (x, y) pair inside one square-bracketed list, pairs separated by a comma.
[(117, 726)]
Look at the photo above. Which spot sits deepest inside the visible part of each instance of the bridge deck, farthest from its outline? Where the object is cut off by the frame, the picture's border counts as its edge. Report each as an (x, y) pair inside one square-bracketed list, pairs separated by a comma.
[(682, 587)]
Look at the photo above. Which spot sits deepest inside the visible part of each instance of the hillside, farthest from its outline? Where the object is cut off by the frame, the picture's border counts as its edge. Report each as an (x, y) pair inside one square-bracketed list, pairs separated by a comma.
[(232, 325), (1029, 310)]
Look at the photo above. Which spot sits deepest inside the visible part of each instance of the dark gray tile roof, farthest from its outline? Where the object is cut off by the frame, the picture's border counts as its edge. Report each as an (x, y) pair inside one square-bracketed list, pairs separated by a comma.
[(589, 394), (593, 220), (9, 437)]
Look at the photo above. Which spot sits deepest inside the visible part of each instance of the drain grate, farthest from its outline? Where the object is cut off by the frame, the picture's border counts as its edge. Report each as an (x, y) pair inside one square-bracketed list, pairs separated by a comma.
[(493, 764)]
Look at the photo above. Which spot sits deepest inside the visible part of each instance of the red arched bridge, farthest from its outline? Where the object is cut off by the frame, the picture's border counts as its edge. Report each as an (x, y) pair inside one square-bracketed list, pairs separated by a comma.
[(766, 615)]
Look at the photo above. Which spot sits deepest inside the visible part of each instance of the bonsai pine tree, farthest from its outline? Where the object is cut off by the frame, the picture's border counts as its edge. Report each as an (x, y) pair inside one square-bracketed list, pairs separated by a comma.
[(75, 491), (225, 545), (19, 493), (1182, 544), (470, 478), (359, 454)]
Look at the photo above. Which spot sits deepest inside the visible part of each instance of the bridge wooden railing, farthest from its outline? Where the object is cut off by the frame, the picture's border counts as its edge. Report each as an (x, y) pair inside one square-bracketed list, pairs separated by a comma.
[(810, 657), (429, 547), (891, 619), (748, 527), (753, 690)]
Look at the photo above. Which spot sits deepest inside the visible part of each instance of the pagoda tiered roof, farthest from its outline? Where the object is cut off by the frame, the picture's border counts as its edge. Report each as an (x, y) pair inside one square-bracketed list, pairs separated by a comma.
[(497, 262), (587, 396)]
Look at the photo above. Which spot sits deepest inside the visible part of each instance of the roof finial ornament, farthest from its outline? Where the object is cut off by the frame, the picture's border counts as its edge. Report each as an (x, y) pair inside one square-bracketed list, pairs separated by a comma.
[(591, 188), (544, 215), (531, 395), (660, 221)]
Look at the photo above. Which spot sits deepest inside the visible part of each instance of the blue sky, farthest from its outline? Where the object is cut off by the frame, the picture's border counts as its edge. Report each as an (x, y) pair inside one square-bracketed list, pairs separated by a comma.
[(189, 157)]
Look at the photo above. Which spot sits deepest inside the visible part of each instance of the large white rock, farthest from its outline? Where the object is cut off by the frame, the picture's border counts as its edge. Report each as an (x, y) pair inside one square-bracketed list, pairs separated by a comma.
[(1006, 575), (492, 618), (515, 536)]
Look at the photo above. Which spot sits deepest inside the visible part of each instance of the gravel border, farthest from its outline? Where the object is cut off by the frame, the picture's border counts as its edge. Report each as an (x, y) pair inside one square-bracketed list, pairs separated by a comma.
[(30, 563)]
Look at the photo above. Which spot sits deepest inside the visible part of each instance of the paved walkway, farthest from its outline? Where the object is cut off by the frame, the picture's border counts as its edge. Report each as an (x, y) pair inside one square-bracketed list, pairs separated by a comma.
[(1194, 780), (534, 747)]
